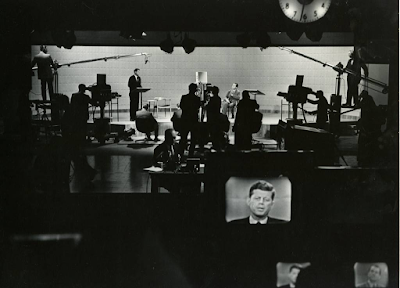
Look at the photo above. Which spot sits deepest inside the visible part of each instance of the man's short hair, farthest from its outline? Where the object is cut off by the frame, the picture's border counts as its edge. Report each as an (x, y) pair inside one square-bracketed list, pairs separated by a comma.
[(136, 69), (245, 94), (169, 134), (43, 48), (215, 90), (192, 87), (377, 266), (237, 85), (82, 87), (294, 267), (262, 185)]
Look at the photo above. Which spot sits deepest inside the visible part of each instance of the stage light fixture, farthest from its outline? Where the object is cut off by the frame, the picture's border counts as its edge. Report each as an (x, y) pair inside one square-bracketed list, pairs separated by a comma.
[(263, 40), (188, 44), (294, 34), (64, 38), (315, 35), (133, 35), (167, 45), (243, 40)]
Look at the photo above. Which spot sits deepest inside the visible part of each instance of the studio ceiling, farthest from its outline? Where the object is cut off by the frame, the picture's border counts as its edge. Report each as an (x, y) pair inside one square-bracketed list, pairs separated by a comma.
[(190, 15)]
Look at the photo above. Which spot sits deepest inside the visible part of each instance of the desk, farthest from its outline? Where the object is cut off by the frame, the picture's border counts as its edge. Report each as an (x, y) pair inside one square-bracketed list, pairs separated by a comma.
[(184, 178)]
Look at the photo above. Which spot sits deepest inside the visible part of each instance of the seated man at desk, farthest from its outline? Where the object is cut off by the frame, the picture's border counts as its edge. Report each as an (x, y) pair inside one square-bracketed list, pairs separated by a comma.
[(167, 152)]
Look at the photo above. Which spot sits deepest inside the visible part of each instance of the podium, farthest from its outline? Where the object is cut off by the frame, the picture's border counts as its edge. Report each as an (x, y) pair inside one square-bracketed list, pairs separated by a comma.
[(255, 92), (141, 91)]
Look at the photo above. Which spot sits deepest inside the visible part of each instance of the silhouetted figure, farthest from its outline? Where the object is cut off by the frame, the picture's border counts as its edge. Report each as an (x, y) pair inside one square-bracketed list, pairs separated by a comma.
[(133, 83), (231, 100), (176, 120), (190, 105), (146, 123), (213, 119), (369, 126), (322, 109), (74, 127), (355, 64), (44, 63), (244, 121), (168, 153)]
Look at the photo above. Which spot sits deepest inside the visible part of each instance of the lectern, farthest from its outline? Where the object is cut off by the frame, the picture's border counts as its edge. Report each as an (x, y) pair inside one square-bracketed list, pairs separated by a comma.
[(255, 92), (141, 91)]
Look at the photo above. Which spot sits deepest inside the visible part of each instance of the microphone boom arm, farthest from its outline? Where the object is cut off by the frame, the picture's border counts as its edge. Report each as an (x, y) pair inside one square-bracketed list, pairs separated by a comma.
[(56, 65), (341, 70)]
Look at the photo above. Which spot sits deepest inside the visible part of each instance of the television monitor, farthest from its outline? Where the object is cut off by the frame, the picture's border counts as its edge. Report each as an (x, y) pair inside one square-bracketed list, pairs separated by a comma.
[(371, 274), (101, 79), (251, 198)]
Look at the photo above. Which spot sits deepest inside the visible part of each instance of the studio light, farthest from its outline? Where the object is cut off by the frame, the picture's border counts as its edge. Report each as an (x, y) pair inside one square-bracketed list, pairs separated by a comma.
[(167, 45), (294, 34), (263, 40), (188, 44), (314, 35), (64, 38), (243, 39), (133, 35)]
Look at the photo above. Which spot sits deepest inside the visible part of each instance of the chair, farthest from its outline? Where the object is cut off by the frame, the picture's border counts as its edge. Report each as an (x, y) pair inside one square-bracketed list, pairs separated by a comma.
[(166, 105)]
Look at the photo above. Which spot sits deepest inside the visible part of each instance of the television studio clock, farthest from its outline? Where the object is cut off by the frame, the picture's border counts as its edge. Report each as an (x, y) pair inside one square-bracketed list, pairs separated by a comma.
[(305, 11)]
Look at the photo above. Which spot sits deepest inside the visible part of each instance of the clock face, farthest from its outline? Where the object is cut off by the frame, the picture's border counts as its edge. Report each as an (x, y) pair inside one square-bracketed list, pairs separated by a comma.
[(305, 11)]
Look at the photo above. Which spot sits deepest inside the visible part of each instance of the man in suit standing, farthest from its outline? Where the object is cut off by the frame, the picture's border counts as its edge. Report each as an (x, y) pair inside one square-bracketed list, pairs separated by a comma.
[(260, 201), (44, 63), (133, 83), (244, 120), (190, 105)]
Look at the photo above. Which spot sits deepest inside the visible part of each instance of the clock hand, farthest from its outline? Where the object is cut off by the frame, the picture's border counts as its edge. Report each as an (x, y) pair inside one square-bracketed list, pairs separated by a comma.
[(302, 11)]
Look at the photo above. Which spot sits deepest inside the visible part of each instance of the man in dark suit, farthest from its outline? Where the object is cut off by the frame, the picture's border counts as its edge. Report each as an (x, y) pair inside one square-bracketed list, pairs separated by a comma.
[(45, 74), (260, 201), (133, 83), (244, 121), (294, 272), (190, 105), (213, 118), (167, 152)]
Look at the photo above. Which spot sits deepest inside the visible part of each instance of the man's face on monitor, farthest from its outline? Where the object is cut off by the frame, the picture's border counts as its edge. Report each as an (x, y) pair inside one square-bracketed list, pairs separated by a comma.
[(260, 203), (374, 274), (293, 274)]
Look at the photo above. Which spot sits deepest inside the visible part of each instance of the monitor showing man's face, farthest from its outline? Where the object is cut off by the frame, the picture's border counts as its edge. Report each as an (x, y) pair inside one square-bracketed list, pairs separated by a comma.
[(293, 274), (252, 199), (260, 203)]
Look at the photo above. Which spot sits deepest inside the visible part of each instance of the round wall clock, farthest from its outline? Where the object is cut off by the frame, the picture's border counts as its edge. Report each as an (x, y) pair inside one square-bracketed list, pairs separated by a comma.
[(305, 11)]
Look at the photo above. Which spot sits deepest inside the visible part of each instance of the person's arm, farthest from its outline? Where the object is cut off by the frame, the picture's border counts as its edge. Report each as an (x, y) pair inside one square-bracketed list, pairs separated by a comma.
[(34, 62), (315, 102), (365, 68)]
